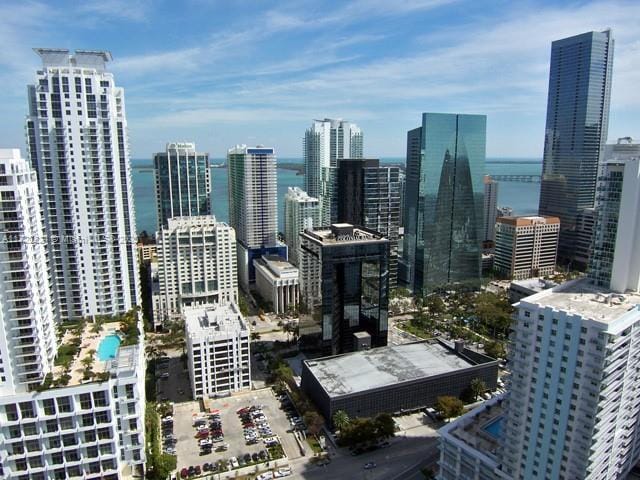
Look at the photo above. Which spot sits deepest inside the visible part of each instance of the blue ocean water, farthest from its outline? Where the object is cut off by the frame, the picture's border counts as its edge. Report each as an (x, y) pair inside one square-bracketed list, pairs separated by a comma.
[(522, 197)]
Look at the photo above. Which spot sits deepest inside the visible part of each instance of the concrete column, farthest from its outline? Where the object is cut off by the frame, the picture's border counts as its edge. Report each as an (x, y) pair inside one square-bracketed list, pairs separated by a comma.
[(281, 294)]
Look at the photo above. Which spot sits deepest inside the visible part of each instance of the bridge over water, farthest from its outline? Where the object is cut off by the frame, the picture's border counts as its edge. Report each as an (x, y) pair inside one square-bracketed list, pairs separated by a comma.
[(517, 178)]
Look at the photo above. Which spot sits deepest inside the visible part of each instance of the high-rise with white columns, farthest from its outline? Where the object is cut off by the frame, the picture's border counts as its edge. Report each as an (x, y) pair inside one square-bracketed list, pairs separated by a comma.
[(301, 212), (78, 144), (325, 142), (27, 327), (615, 262), (183, 182)]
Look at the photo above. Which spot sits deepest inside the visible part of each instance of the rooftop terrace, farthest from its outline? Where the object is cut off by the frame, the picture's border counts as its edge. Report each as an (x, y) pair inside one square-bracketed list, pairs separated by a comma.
[(211, 320), (379, 367)]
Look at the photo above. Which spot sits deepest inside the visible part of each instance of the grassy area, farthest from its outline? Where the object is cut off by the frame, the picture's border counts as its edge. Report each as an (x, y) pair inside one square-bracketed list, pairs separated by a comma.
[(314, 444), (159, 465)]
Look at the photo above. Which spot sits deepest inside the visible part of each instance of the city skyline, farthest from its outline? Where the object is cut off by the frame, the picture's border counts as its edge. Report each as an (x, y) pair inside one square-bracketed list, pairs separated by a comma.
[(382, 62)]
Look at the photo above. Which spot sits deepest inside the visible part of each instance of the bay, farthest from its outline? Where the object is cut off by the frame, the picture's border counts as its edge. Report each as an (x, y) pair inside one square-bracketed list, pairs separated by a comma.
[(522, 197)]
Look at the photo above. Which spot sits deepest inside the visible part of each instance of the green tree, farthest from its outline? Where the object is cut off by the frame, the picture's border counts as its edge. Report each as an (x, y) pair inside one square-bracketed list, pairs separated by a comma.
[(385, 425), (478, 387), (449, 407), (495, 350), (314, 421), (341, 420), (434, 304)]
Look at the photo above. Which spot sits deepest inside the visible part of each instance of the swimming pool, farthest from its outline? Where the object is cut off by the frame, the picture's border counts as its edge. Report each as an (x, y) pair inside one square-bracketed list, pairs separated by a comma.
[(108, 347), (494, 428)]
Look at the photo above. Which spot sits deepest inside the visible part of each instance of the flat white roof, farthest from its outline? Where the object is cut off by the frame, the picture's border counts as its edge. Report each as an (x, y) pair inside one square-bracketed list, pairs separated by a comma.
[(584, 298), (213, 320), (379, 367)]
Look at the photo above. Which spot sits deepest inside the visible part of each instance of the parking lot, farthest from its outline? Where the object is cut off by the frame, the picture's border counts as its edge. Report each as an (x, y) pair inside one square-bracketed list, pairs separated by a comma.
[(187, 446), (172, 382)]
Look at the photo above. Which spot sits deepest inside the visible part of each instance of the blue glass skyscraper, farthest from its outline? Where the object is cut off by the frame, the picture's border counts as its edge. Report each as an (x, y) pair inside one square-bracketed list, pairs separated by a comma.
[(576, 131), (444, 201)]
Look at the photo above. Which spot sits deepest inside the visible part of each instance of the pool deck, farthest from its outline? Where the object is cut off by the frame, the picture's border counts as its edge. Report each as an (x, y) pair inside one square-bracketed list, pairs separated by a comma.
[(471, 429), (90, 341)]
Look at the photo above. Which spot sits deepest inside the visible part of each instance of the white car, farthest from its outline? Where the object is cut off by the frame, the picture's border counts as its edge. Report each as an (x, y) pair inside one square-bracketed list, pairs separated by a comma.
[(265, 476), (205, 442), (283, 472)]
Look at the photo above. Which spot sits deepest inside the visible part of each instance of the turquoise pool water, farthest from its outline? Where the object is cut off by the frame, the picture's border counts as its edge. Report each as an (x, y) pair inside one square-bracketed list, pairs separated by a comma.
[(108, 347), (494, 428)]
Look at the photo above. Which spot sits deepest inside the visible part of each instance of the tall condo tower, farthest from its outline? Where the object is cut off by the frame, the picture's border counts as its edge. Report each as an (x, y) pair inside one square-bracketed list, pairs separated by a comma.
[(577, 121), (615, 262), (253, 206), (301, 212), (325, 142), (183, 182), (27, 325), (78, 144), (370, 197), (444, 201)]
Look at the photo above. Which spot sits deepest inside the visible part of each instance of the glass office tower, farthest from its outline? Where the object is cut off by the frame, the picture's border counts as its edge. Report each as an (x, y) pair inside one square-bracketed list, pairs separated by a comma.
[(444, 201), (183, 182), (576, 131)]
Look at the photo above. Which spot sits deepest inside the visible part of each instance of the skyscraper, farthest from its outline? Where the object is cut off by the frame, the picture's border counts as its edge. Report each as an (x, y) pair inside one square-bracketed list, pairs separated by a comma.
[(183, 182), (444, 201), (78, 144), (27, 325), (369, 196), (344, 280), (490, 210), (300, 212), (615, 262), (253, 206), (197, 264), (577, 121), (325, 142)]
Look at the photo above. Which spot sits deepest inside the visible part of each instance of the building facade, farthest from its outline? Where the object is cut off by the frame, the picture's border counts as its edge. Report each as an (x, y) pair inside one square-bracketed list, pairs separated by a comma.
[(370, 196), (79, 427), (444, 201), (277, 282), (253, 206), (576, 130), (490, 211), (301, 212), (344, 274), (78, 144), (615, 262), (183, 182), (572, 404), (325, 142), (196, 265), (526, 246), (27, 322), (217, 349)]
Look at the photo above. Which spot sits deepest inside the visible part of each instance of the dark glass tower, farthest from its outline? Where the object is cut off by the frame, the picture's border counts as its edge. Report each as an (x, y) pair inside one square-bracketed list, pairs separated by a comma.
[(577, 120), (183, 185), (369, 195), (444, 201)]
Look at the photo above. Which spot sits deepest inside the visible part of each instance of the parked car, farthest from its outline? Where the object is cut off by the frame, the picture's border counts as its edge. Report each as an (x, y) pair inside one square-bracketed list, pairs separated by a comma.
[(370, 465)]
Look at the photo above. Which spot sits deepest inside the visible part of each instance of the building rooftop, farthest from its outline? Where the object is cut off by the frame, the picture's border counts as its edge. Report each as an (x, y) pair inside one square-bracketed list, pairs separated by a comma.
[(535, 284), (344, 233), (478, 430), (276, 266), (365, 370), (584, 298), (213, 320), (528, 220), (202, 221)]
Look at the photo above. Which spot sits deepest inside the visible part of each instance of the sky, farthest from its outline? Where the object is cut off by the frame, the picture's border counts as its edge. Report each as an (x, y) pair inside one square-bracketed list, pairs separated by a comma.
[(227, 72)]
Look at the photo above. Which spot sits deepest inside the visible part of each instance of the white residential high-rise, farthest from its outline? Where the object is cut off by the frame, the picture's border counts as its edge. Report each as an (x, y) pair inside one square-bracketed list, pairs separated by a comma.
[(572, 406), (196, 265), (301, 212), (183, 182), (615, 262), (526, 247), (325, 142), (78, 145), (490, 209), (253, 207), (27, 325), (218, 350)]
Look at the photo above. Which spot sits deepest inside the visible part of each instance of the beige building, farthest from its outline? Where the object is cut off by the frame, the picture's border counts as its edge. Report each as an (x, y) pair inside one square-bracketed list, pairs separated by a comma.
[(526, 246), (278, 282), (147, 252)]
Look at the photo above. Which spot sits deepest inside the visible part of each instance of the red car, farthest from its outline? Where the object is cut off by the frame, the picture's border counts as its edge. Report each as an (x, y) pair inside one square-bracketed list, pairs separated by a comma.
[(184, 473)]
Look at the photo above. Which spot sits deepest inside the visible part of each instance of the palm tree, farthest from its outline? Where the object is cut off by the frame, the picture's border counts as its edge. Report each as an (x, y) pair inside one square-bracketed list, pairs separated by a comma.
[(477, 387), (341, 420)]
